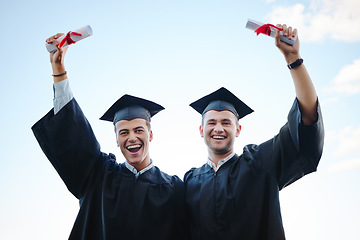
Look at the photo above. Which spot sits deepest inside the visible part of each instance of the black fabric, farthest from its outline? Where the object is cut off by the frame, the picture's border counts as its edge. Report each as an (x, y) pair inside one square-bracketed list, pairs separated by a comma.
[(221, 99), (129, 107), (113, 203), (219, 105), (241, 200)]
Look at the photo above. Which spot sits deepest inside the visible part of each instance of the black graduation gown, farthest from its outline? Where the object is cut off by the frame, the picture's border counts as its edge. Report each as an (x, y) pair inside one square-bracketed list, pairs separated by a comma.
[(241, 200), (113, 203)]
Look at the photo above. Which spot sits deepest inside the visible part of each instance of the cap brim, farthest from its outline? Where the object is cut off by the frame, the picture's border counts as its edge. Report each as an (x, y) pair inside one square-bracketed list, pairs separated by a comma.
[(225, 95)]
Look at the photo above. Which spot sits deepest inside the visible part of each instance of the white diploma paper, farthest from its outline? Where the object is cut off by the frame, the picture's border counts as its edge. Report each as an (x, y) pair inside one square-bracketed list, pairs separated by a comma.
[(85, 32), (253, 25)]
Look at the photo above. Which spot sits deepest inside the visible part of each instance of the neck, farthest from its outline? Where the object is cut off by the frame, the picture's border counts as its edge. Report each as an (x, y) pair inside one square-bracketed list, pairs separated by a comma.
[(215, 158), (141, 165)]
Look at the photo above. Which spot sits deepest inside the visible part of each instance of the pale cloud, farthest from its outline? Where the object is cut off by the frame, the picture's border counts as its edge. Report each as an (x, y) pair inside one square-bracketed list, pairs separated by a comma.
[(346, 140), (348, 147), (339, 19), (348, 79), (345, 166), (349, 141), (329, 101)]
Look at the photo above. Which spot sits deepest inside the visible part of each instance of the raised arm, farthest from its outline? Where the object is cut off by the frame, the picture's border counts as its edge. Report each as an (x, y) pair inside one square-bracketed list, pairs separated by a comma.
[(305, 91), (57, 59), (62, 91)]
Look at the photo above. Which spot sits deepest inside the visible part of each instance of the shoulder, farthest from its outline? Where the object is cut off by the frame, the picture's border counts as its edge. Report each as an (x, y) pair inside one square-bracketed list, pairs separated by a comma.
[(159, 177), (194, 172), (110, 160), (251, 149), (111, 166)]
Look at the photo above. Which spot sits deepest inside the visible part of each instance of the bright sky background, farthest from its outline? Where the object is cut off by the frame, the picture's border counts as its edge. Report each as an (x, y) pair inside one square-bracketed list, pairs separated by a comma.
[(174, 52)]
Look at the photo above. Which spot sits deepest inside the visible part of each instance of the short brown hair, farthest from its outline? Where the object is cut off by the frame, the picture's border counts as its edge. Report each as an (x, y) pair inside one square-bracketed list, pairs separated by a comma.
[(147, 124)]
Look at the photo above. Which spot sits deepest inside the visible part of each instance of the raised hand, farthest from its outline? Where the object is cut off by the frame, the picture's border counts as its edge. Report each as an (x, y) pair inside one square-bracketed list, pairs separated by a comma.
[(291, 52), (57, 58)]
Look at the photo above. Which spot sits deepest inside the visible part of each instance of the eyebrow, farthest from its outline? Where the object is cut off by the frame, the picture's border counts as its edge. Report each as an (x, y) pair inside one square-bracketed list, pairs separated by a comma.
[(136, 128), (223, 120)]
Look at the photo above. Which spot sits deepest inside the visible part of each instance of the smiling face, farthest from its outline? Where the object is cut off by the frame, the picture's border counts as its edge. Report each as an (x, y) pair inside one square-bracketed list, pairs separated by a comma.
[(219, 129), (133, 137)]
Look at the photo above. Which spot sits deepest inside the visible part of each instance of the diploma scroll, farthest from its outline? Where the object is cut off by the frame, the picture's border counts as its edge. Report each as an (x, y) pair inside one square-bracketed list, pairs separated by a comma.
[(74, 36), (254, 25)]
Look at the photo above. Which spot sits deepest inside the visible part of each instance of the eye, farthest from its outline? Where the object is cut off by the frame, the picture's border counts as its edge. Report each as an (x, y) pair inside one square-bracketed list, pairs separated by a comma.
[(123, 133), (226, 123), (139, 130)]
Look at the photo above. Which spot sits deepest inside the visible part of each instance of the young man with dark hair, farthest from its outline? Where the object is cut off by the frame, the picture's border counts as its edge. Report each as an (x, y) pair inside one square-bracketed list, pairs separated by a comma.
[(237, 196), (133, 200)]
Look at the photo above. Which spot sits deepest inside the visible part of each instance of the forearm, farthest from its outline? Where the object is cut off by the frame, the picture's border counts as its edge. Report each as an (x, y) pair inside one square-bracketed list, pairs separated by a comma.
[(62, 95), (62, 91), (58, 69), (57, 59), (305, 93), (70, 144), (304, 88)]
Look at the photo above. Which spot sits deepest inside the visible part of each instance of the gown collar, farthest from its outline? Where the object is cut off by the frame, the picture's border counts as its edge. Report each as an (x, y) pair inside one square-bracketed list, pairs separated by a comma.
[(138, 173), (220, 163)]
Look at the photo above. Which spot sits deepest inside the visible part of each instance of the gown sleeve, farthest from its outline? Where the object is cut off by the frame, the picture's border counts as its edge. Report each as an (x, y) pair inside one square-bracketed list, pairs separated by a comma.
[(294, 152), (69, 143)]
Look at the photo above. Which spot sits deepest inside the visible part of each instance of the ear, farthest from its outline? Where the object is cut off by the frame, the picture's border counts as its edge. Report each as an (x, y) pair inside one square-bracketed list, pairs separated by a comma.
[(117, 141), (201, 129), (238, 129), (150, 136), (116, 136)]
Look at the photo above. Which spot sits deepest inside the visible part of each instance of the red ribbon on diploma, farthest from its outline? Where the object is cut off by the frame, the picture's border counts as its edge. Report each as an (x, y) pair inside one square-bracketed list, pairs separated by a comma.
[(68, 39), (265, 29)]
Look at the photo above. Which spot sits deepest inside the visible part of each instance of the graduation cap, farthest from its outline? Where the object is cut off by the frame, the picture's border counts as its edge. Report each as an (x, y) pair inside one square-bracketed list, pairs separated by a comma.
[(129, 107), (221, 100)]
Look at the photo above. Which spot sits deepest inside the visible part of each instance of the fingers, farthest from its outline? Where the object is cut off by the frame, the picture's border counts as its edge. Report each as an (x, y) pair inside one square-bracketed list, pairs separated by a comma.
[(291, 52), (53, 39), (288, 31)]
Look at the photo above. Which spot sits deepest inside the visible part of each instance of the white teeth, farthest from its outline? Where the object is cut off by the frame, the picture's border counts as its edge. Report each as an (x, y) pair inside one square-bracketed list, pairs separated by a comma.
[(134, 146), (219, 137)]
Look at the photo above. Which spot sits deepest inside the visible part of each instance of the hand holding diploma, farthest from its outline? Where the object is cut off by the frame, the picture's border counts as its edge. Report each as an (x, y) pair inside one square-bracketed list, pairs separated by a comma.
[(57, 57), (58, 44), (291, 52), (269, 30), (70, 38)]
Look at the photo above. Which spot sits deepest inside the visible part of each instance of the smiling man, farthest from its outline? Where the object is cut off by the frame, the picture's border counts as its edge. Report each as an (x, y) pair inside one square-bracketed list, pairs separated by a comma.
[(132, 200), (237, 196)]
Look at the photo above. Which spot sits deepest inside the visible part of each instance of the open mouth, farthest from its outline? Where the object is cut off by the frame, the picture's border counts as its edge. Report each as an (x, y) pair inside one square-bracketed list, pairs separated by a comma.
[(218, 137), (133, 148)]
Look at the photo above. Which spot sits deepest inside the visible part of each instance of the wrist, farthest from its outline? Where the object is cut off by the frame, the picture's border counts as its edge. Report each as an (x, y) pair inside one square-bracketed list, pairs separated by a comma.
[(295, 64), (58, 69), (292, 58), (59, 73)]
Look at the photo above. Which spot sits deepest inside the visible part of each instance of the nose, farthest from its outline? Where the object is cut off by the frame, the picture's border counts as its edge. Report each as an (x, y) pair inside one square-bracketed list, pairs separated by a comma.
[(218, 128), (132, 137)]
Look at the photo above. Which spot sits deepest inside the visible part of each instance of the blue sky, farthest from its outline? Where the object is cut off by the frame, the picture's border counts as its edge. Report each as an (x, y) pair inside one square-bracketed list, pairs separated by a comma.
[(174, 52)]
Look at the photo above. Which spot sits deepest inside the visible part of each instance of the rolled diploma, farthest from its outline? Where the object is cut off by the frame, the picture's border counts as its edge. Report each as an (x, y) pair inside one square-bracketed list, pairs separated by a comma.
[(85, 32), (253, 25)]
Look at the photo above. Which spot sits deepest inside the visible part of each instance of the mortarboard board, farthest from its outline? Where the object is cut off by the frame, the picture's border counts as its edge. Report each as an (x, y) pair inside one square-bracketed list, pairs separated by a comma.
[(129, 107), (221, 100)]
